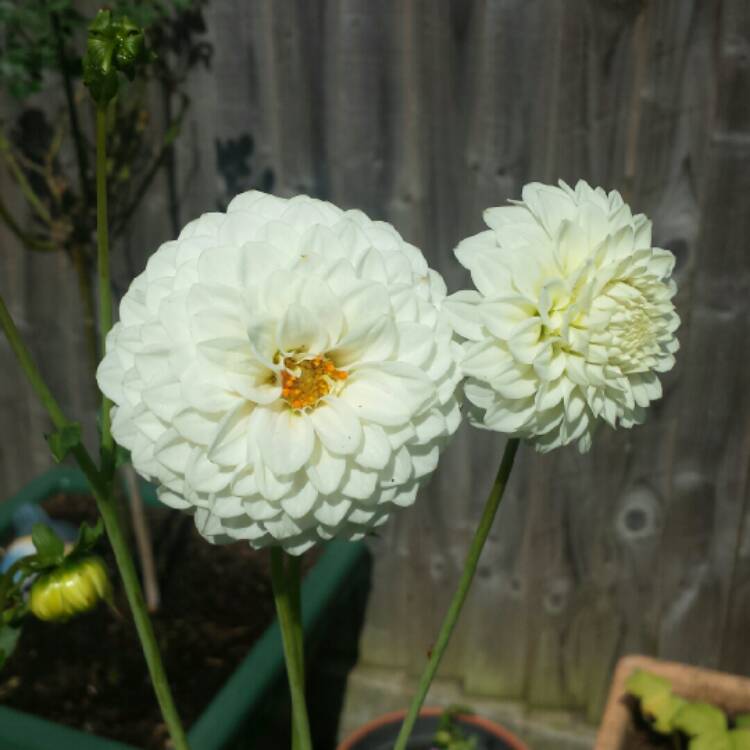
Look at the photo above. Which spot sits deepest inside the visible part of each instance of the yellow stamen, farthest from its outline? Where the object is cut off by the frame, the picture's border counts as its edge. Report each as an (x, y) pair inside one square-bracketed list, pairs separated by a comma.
[(305, 381)]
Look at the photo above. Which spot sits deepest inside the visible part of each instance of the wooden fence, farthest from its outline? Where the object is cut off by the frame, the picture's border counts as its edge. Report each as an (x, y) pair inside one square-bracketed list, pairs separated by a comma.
[(424, 113)]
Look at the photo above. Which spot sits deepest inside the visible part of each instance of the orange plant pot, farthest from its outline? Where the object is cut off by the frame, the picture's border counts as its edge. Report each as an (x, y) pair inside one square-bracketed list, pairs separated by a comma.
[(381, 733)]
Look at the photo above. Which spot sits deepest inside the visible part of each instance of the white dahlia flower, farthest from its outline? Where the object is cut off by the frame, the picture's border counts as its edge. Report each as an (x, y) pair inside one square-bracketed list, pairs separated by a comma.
[(284, 372), (572, 320)]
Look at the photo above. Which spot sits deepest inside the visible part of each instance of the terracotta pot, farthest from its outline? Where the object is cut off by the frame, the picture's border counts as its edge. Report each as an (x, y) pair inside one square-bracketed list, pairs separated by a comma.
[(381, 733), (729, 692)]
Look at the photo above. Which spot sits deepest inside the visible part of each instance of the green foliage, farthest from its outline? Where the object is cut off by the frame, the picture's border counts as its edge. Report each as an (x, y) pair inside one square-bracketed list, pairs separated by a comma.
[(716, 740), (701, 725), (695, 719), (29, 41), (657, 700), (643, 684), (32, 32), (64, 440), (41, 43), (450, 735), (50, 549)]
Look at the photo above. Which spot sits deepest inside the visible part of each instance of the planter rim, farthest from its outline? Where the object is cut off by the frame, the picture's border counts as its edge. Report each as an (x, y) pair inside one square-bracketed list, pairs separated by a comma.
[(616, 717), (398, 716), (238, 697)]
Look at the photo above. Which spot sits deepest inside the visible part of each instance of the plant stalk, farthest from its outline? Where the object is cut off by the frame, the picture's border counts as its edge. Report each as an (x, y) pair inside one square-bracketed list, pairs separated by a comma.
[(89, 313), (105, 288), (454, 610), (294, 579), (287, 615), (101, 488)]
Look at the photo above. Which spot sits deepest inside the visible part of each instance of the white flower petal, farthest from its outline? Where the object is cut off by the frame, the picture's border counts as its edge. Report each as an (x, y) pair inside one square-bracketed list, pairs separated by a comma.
[(573, 320), (337, 426), (285, 372)]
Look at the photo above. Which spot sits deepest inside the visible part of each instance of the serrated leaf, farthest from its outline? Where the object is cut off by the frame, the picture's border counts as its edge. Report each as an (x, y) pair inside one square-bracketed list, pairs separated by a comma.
[(742, 720), (740, 739), (62, 441), (700, 718), (49, 547), (644, 684)]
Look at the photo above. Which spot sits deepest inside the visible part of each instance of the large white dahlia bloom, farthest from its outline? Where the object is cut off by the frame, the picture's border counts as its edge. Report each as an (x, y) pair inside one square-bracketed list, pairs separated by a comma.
[(284, 372), (572, 320)]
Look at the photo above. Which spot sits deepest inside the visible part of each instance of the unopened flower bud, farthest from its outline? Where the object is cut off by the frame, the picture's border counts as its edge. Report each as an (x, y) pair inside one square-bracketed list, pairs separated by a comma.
[(115, 45), (75, 587)]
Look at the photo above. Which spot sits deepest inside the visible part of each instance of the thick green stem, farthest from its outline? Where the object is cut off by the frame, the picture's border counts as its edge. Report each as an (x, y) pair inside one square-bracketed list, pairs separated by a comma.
[(287, 615), (294, 578), (101, 488), (454, 610), (89, 312), (105, 289)]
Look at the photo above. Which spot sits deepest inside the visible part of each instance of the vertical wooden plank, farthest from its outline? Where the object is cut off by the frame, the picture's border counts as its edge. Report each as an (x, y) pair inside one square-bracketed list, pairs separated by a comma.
[(715, 456)]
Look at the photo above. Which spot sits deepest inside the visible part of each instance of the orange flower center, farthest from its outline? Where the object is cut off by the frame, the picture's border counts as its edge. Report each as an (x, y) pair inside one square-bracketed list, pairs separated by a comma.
[(305, 381)]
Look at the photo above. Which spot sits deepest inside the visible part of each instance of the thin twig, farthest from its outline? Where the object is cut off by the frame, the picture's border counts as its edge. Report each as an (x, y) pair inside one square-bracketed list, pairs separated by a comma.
[(75, 128), (27, 240), (22, 181), (142, 539)]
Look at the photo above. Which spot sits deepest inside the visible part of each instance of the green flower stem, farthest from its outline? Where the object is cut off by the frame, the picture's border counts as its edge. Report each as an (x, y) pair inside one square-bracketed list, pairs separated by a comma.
[(287, 615), (454, 610), (105, 288), (102, 492), (294, 580), (101, 488), (89, 314)]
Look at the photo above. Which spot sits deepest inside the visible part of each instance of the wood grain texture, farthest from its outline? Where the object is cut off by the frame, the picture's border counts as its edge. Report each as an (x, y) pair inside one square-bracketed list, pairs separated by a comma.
[(424, 113)]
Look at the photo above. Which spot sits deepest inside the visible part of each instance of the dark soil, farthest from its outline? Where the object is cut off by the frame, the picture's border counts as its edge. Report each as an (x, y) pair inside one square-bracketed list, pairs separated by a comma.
[(641, 735), (89, 673)]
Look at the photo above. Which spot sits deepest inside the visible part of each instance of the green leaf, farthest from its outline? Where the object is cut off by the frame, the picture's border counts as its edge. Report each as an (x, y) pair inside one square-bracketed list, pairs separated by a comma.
[(717, 739), (9, 636), (50, 548), (643, 684), (65, 439), (742, 721), (700, 718), (88, 536), (662, 707), (740, 738)]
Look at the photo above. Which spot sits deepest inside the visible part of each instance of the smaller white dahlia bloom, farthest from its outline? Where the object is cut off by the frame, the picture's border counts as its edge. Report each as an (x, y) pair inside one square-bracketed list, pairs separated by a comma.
[(284, 372), (573, 318)]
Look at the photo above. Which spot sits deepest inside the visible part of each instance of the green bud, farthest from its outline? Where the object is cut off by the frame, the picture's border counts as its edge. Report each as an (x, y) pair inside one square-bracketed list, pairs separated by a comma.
[(73, 588), (115, 45)]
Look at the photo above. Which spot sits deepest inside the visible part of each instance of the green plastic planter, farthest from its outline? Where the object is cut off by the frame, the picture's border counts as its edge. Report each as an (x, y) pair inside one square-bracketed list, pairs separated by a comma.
[(241, 703)]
